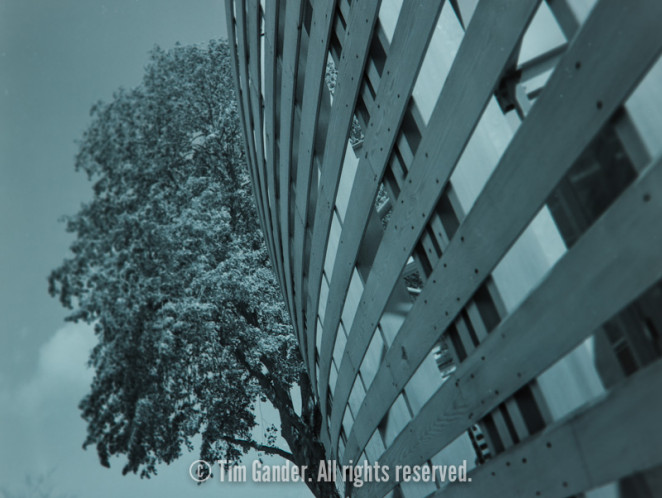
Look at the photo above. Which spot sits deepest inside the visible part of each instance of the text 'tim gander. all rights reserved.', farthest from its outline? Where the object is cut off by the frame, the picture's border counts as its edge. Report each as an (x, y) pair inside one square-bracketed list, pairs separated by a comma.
[(328, 471)]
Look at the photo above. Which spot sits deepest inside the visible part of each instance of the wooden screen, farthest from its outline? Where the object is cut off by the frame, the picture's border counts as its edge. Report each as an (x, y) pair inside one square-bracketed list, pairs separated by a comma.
[(463, 203)]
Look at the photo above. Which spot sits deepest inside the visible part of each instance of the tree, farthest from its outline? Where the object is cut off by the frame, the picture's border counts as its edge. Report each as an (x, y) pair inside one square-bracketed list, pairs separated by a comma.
[(169, 265)]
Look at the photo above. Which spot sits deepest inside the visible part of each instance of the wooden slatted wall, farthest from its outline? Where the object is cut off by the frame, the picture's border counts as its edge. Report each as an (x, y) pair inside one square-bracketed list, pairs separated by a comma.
[(466, 228)]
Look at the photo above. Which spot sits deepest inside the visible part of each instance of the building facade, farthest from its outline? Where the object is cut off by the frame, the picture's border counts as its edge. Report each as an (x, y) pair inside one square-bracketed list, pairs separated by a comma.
[(462, 200)]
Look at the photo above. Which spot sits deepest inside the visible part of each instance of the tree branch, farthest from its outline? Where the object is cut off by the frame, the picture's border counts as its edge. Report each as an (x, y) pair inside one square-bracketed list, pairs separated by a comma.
[(275, 393), (270, 450)]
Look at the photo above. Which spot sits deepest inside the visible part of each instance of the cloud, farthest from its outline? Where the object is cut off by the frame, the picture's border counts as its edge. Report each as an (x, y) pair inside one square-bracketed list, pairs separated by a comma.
[(61, 367), (40, 415)]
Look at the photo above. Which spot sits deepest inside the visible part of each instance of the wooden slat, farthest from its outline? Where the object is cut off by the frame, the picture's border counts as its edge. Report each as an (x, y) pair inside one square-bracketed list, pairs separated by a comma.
[(484, 51), (246, 105), (255, 70), (410, 40), (293, 12), (565, 16), (350, 70), (232, 37), (318, 46), (522, 181), (608, 440), (253, 57), (272, 165), (237, 55), (297, 255), (537, 334)]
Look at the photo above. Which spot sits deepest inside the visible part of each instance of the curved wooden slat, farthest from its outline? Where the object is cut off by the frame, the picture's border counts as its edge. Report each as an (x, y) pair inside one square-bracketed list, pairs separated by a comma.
[(293, 14)]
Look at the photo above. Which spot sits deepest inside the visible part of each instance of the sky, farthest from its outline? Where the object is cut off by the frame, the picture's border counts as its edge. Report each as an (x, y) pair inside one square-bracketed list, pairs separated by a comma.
[(58, 57)]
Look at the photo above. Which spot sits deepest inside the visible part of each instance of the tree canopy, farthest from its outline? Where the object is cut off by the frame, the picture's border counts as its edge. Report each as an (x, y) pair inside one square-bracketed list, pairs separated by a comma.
[(169, 265)]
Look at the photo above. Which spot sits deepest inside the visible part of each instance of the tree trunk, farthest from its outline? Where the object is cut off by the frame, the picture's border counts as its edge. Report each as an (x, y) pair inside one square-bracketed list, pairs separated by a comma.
[(301, 433), (302, 436)]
